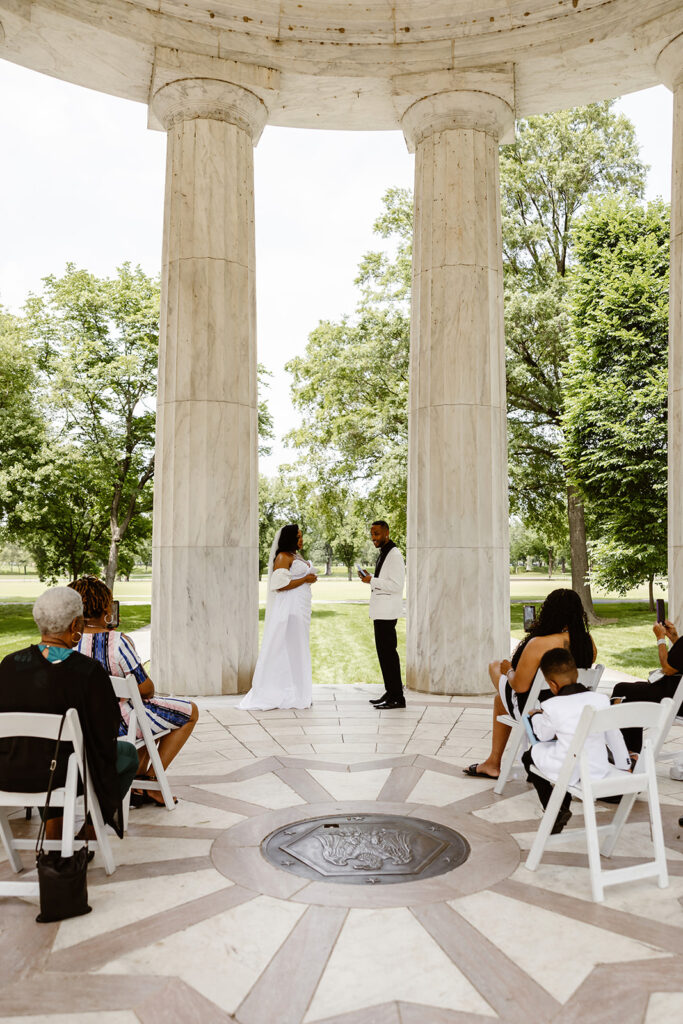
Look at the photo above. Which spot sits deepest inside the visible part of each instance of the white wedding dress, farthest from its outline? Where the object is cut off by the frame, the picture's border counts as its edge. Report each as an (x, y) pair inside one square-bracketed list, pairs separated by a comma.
[(282, 677)]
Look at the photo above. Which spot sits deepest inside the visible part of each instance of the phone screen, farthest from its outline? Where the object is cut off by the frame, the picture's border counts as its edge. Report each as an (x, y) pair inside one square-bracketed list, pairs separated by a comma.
[(529, 616), (115, 615), (661, 610)]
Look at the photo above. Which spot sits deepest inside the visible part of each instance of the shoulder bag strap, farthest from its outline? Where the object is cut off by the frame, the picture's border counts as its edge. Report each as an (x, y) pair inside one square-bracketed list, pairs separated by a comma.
[(50, 785)]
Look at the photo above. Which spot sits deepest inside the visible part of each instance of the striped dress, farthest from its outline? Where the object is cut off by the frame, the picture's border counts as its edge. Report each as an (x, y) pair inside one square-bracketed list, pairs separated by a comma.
[(116, 653)]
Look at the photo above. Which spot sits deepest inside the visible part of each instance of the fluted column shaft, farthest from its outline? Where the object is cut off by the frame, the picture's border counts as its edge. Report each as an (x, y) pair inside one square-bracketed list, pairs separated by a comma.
[(670, 67), (458, 565), (205, 543)]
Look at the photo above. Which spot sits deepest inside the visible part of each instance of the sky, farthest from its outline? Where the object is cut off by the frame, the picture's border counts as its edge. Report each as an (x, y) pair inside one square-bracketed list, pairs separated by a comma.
[(82, 181)]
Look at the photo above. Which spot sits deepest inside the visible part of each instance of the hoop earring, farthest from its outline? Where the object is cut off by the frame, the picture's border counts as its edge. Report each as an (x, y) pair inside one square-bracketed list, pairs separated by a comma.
[(74, 640), (108, 619)]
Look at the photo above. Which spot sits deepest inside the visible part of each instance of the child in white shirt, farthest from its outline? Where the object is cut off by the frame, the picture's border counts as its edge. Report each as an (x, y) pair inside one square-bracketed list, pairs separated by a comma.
[(555, 725)]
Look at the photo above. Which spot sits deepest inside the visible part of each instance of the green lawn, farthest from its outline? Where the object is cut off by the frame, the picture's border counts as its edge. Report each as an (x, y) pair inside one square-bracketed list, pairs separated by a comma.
[(342, 640), (17, 628)]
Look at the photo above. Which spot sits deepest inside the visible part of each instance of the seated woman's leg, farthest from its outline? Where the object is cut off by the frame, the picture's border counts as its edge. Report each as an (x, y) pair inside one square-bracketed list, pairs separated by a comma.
[(499, 737), (126, 765), (171, 745)]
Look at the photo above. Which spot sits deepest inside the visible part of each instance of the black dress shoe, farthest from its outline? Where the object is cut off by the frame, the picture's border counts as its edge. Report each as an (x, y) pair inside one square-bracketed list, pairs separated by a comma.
[(390, 704), (379, 700)]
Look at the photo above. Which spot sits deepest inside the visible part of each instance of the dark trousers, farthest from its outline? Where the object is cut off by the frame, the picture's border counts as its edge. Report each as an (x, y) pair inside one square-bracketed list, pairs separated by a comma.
[(387, 653), (653, 693), (542, 786)]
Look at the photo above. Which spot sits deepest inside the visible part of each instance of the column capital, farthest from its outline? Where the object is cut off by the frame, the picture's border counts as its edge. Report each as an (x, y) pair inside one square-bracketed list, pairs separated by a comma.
[(189, 98), (669, 63), (479, 111), (480, 98)]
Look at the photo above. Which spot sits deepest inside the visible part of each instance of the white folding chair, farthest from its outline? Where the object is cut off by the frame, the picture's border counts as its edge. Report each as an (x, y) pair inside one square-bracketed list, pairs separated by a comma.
[(126, 687), (517, 740), (627, 785), (13, 724), (676, 772)]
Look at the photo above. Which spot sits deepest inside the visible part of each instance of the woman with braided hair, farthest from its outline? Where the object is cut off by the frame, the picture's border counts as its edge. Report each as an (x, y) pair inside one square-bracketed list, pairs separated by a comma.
[(561, 622), (116, 653)]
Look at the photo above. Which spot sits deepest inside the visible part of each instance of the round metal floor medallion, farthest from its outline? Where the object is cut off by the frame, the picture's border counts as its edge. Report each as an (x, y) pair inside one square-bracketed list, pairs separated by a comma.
[(366, 848)]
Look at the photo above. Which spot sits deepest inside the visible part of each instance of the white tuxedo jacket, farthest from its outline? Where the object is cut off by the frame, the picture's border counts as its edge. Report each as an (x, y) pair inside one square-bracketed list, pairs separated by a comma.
[(386, 590), (556, 727)]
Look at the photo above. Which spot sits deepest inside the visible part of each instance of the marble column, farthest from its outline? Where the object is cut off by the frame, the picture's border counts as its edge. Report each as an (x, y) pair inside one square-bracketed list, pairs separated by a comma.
[(205, 543), (457, 558), (670, 69)]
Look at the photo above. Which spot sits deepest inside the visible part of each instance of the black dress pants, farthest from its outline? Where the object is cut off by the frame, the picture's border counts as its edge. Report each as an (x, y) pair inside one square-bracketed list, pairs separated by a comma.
[(387, 653), (653, 693), (542, 786)]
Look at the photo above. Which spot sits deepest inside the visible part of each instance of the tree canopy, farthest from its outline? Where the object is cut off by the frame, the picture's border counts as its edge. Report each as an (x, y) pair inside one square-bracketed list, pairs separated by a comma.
[(615, 385)]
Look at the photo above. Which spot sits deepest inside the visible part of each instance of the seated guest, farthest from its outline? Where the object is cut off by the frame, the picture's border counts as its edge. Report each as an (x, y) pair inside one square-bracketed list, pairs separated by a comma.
[(561, 622), (116, 653), (663, 681), (49, 678), (555, 724)]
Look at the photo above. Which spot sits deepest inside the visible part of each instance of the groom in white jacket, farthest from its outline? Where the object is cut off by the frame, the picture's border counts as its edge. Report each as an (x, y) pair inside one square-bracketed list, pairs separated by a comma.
[(386, 604)]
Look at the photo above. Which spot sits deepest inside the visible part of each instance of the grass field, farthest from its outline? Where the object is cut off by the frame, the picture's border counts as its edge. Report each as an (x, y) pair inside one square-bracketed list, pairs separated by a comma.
[(17, 628), (342, 641)]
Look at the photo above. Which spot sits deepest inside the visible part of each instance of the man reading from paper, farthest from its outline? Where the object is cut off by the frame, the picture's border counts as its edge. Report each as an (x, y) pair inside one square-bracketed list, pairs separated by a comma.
[(386, 604)]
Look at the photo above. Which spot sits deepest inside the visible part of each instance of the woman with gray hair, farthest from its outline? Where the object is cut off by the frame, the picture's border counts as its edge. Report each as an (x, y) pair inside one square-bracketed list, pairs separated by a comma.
[(49, 678)]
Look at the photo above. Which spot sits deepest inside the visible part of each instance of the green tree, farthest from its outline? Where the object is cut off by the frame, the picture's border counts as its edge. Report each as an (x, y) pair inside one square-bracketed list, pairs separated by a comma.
[(615, 386), (95, 341), (557, 164), (22, 422)]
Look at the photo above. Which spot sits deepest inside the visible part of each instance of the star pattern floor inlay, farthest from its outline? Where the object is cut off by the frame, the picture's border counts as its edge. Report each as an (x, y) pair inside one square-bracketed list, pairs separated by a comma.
[(196, 925)]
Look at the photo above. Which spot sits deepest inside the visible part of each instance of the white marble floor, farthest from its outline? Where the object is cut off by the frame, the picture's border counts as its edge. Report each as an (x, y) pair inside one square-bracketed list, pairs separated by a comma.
[(195, 926)]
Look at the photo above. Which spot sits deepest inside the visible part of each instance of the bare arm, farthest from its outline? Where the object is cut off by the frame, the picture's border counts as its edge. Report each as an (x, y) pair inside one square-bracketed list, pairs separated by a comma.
[(284, 561), (661, 631), (521, 679)]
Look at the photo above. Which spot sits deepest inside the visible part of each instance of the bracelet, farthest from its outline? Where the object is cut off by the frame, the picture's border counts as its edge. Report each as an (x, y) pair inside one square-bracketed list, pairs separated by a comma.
[(662, 640)]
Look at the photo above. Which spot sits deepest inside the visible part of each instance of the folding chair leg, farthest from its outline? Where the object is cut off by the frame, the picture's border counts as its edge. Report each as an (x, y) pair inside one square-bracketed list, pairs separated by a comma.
[(161, 776), (8, 842), (657, 831), (545, 828), (593, 845), (509, 755), (618, 821), (103, 844)]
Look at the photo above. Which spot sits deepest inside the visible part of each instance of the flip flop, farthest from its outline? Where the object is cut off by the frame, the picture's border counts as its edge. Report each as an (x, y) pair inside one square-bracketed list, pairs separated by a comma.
[(472, 771)]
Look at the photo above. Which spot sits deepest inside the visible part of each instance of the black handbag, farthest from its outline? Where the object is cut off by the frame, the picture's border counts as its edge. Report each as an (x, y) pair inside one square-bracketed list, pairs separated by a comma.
[(62, 881)]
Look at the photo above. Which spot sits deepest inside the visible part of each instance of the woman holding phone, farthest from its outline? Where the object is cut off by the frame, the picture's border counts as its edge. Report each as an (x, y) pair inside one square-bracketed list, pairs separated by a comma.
[(116, 653), (283, 676), (561, 622)]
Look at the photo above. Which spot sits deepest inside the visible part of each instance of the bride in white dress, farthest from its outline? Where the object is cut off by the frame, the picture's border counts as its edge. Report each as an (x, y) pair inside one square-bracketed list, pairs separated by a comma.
[(282, 677)]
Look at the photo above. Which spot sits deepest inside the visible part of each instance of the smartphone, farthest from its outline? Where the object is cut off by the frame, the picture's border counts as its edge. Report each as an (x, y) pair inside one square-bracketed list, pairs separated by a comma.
[(114, 624), (361, 570), (661, 610), (529, 616)]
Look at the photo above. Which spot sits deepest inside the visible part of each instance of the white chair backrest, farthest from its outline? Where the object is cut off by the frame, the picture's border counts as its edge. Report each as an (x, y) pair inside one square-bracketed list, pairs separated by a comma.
[(675, 703), (121, 687), (40, 726), (590, 677), (638, 714)]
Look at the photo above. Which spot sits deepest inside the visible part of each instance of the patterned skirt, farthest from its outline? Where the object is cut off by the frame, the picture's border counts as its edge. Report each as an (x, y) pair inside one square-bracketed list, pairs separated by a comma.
[(162, 713)]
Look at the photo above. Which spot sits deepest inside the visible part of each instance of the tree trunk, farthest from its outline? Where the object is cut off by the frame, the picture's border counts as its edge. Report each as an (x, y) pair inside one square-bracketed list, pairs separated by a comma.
[(550, 563), (349, 569), (651, 593), (579, 551), (112, 563), (563, 565), (328, 566)]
